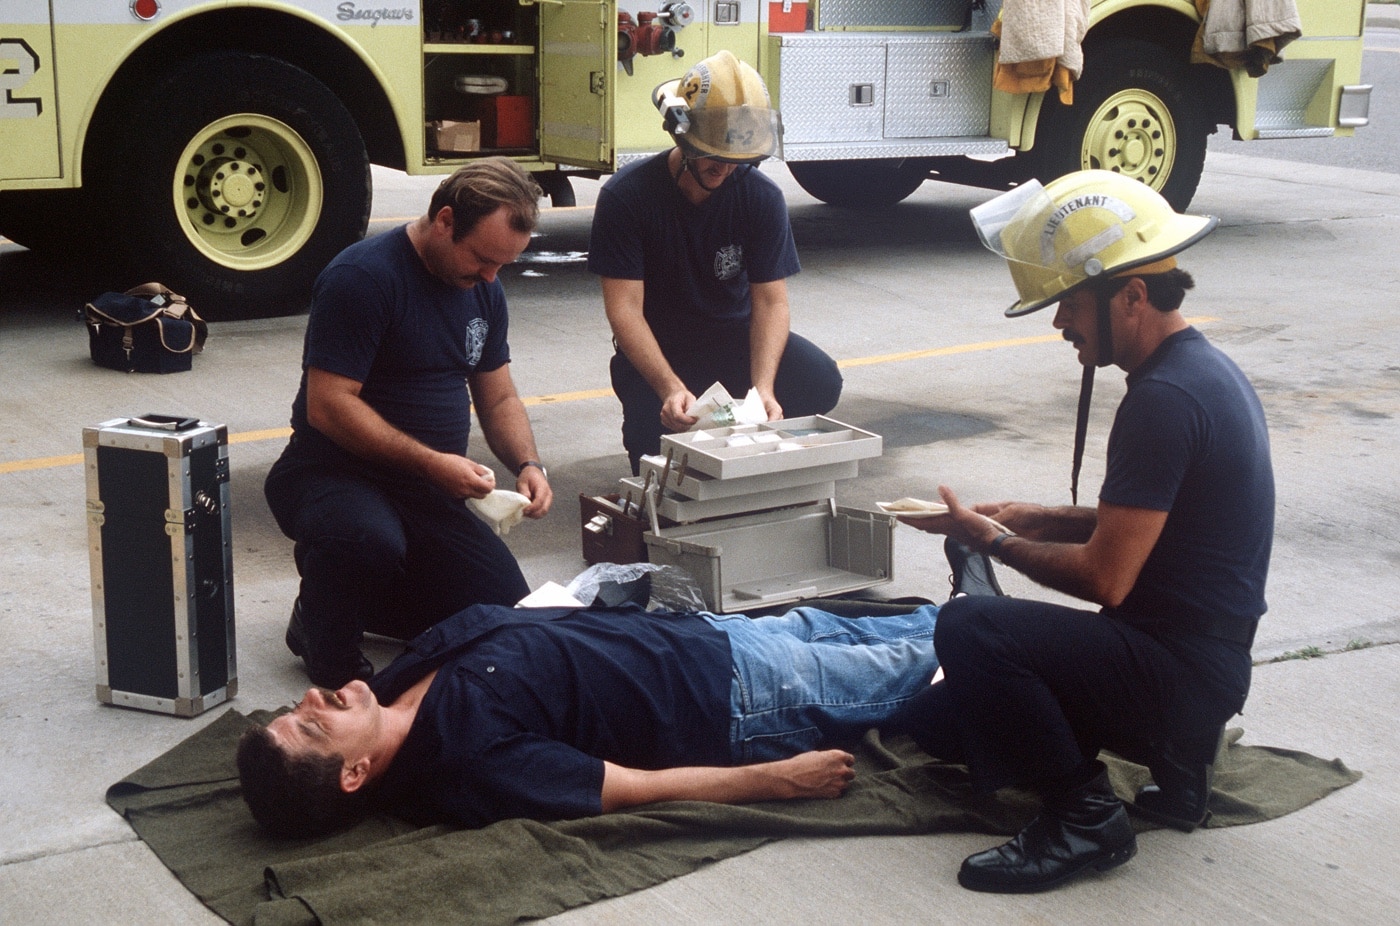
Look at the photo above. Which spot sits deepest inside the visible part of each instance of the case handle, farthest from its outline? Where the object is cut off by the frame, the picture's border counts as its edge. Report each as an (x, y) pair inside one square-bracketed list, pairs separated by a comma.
[(163, 422)]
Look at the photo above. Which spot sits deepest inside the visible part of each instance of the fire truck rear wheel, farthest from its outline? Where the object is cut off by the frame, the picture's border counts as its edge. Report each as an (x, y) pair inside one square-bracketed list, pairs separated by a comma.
[(237, 178), (870, 184), (1134, 113)]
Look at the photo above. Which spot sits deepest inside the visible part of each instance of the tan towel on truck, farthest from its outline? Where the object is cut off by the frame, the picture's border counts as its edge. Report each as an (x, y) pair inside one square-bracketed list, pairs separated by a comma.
[(1040, 46)]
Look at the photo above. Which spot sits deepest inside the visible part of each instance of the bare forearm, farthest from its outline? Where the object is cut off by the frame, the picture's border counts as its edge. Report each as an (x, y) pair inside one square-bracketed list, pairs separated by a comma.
[(334, 407), (1052, 564), (357, 427), (1102, 569), (1061, 524), (623, 302), (506, 427), (768, 334), (824, 774)]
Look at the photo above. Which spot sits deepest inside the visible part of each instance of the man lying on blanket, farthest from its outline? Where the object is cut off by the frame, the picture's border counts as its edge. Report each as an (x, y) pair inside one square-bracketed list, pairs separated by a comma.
[(555, 713)]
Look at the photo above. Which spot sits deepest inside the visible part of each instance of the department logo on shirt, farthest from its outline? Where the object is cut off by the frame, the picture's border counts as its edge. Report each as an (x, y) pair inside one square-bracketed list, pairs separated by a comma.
[(729, 260), (476, 340)]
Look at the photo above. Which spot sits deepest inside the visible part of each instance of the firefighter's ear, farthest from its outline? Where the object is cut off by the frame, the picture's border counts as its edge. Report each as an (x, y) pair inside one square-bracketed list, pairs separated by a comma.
[(444, 218)]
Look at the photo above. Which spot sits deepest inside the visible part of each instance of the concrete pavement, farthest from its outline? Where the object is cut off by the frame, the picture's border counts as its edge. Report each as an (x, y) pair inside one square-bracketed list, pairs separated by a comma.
[(1298, 285)]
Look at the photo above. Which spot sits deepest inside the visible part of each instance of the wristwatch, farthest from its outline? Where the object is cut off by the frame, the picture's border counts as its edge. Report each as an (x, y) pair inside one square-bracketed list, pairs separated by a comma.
[(994, 550), (521, 468)]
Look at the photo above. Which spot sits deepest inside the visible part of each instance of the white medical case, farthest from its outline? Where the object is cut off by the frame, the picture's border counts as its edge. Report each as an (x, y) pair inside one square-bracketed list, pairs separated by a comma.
[(750, 512)]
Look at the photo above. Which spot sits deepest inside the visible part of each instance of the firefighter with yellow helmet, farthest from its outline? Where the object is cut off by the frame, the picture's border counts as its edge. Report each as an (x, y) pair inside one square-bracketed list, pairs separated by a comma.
[(1175, 554), (694, 248)]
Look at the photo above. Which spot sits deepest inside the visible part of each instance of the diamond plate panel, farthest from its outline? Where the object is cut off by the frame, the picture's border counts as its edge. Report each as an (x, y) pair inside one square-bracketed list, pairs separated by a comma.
[(886, 14), (938, 86), (898, 148), (1284, 94), (816, 88)]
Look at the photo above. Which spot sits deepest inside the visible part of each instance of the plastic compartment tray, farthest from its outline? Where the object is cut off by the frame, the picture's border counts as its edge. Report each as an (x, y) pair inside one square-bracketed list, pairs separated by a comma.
[(772, 447), (682, 510), (781, 556), (696, 485)]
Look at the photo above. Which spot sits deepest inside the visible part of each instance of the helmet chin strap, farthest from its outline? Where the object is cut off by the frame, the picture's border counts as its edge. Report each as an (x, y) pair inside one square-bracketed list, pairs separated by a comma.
[(1103, 357), (688, 166)]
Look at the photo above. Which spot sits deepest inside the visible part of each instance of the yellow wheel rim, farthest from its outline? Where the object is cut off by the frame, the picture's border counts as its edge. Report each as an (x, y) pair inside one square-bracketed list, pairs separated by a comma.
[(1132, 134), (248, 192)]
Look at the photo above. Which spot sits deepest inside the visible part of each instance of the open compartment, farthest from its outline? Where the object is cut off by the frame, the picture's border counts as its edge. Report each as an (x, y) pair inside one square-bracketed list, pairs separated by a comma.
[(780, 556)]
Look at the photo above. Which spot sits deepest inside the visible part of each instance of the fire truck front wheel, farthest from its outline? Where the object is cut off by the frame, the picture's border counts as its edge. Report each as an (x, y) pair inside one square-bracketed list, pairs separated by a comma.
[(236, 179), (1134, 113), (871, 184)]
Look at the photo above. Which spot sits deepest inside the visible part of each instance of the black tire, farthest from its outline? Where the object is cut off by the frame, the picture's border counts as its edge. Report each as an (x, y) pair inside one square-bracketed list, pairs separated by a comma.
[(43, 220), (235, 181), (869, 184), (556, 185), (1134, 113)]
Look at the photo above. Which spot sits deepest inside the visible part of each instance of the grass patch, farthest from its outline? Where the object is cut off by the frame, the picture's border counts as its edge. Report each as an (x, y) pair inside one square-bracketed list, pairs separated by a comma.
[(1307, 652)]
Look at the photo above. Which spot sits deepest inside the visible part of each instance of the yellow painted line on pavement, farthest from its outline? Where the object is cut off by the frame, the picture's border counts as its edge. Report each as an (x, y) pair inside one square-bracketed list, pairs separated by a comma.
[(944, 351), (19, 466), (557, 398)]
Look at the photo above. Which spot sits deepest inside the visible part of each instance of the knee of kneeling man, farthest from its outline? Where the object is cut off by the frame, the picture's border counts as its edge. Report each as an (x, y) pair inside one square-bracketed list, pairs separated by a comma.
[(366, 551), (956, 630)]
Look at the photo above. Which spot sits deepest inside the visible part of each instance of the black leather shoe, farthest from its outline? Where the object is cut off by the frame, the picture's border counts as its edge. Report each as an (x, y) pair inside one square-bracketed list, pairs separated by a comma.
[(323, 674), (972, 572), (1179, 796), (1082, 829)]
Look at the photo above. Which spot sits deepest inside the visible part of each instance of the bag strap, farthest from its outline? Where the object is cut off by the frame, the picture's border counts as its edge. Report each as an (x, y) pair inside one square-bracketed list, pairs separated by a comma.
[(152, 290), (174, 305), (98, 317), (193, 346)]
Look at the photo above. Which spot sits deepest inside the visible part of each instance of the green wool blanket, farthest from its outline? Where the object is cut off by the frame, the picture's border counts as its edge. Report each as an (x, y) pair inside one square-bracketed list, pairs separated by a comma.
[(187, 807)]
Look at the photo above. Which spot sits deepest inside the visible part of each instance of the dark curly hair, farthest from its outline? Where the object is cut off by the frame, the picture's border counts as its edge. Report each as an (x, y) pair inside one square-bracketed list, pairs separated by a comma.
[(1165, 290), (295, 795)]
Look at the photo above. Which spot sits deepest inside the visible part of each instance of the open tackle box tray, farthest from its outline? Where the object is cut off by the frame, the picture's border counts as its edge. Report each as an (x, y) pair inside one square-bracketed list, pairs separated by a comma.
[(750, 512), (675, 507), (773, 447)]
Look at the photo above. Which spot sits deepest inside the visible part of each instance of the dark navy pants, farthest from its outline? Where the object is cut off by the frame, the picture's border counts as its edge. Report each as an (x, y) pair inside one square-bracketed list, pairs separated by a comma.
[(808, 383), (1032, 691), (388, 555)]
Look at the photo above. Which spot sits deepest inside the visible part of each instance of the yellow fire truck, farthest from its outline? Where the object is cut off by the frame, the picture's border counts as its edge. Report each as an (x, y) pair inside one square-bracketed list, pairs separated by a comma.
[(223, 146)]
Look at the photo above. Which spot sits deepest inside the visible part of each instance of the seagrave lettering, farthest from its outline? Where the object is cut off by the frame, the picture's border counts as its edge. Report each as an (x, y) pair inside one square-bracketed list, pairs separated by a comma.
[(349, 12)]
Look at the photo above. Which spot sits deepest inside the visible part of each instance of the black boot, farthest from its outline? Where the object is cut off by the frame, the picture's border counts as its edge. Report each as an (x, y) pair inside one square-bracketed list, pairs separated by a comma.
[(1085, 827), (972, 572), (1182, 778), (324, 673)]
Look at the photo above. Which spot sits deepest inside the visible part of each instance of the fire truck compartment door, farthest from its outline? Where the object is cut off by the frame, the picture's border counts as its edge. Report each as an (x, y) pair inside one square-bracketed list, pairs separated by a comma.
[(28, 110), (578, 73)]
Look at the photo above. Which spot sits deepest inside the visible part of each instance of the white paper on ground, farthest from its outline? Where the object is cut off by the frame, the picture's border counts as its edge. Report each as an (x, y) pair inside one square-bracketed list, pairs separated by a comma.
[(549, 595)]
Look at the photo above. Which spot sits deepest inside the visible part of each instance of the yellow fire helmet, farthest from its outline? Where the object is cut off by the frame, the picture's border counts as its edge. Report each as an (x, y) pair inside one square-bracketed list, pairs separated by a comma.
[(720, 109), (1087, 224)]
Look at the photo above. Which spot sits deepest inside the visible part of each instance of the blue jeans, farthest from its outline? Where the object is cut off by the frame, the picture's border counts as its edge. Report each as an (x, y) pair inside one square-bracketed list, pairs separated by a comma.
[(808, 677)]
